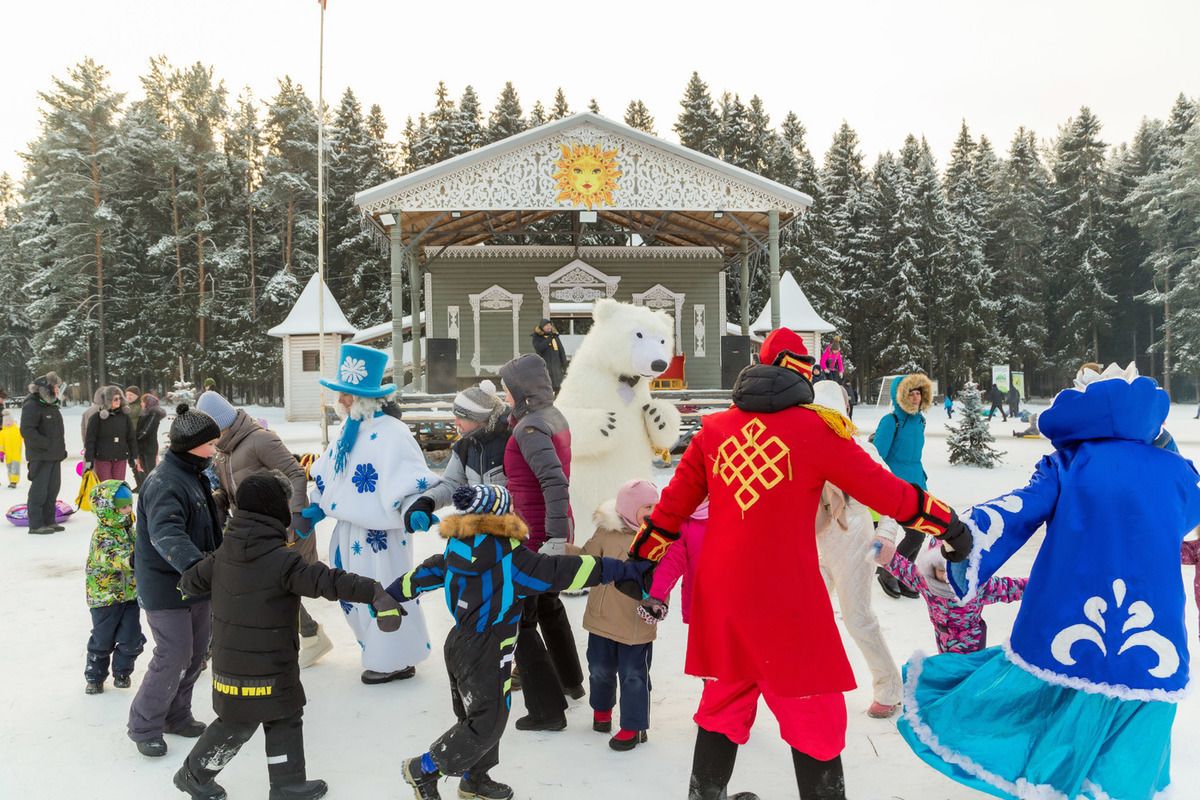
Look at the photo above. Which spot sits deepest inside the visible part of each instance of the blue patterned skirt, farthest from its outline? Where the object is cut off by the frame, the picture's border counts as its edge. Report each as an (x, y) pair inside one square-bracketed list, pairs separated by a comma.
[(989, 724)]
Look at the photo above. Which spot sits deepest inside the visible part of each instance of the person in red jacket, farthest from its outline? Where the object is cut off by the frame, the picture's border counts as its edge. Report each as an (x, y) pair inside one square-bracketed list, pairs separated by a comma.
[(771, 633)]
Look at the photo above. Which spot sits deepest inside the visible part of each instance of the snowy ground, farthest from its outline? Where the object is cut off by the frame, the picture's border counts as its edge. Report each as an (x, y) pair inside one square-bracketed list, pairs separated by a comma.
[(55, 742)]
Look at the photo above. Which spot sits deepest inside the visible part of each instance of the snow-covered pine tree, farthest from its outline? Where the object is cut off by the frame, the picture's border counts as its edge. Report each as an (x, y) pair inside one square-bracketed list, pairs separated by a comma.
[(593, 106), (733, 132), (1183, 181), (537, 115), (472, 134), (917, 160), (970, 441), (899, 317), (639, 117), (560, 109), (506, 118), (698, 125), (758, 145), (844, 216), (798, 246), (68, 223), (445, 126), (1081, 217), (1020, 251), (15, 350), (967, 295)]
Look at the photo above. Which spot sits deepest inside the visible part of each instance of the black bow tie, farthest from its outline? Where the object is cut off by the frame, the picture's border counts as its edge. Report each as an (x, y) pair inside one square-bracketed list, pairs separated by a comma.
[(631, 380)]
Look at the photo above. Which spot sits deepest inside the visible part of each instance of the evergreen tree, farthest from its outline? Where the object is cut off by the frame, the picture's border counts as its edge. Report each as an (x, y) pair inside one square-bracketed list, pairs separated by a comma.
[(733, 133), (1183, 212), (758, 146), (970, 441), (1081, 227), (506, 118), (593, 106), (15, 349), (471, 133), (560, 110), (537, 115), (1020, 241), (843, 253), (445, 127), (898, 311), (698, 123), (68, 224), (638, 116)]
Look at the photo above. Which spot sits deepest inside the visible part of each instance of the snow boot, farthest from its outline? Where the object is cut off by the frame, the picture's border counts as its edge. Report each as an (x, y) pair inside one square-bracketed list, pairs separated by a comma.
[(819, 780), (93, 687), (371, 677), (575, 692), (627, 740), (482, 787), (121, 681), (712, 766), (313, 647), (58, 528), (190, 785), (41, 531), (880, 711), (152, 748), (190, 730), (309, 790), (425, 784), (891, 586), (531, 723), (602, 721)]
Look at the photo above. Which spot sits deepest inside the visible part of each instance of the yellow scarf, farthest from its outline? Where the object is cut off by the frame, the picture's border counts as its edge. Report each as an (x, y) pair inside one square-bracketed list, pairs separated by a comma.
[(836, 420)]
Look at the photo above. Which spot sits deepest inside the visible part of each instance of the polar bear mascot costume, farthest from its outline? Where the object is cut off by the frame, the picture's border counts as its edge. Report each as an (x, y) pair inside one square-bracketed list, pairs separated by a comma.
[(616, 426)]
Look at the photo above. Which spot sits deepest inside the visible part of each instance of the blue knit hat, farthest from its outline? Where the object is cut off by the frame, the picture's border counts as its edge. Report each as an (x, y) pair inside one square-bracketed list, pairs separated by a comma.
[(484, 498)]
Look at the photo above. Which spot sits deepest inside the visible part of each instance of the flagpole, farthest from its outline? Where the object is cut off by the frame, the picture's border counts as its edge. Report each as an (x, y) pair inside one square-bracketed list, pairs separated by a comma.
[(321, 221)]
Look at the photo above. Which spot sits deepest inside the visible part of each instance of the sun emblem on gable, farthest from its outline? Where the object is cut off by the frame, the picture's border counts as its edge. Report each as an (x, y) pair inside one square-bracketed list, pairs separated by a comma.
[(587, 174)]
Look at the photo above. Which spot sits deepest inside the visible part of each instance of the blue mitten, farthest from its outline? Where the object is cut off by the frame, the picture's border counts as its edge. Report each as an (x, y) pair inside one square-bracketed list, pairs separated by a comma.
[(314, 513), (420, 516)]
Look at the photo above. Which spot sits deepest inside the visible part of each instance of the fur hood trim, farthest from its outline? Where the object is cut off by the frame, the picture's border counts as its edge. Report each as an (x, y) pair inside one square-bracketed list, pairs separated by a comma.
[(106, 396), (606, 518), (464, 526), (910, 382), (43, 386)]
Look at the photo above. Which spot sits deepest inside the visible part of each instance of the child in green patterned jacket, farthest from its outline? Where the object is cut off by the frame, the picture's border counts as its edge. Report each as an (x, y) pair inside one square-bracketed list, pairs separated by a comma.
[(111, 592)]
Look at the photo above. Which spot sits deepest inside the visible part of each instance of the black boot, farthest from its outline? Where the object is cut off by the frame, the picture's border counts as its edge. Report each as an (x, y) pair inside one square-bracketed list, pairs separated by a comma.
[(712, 766), (482, 787), (425, 784), (819, 780), (190, 785), (891, 586), (309, 790)]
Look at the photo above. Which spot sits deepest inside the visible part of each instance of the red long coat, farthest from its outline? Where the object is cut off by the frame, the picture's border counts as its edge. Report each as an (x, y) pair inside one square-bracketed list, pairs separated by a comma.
[(761, 611)]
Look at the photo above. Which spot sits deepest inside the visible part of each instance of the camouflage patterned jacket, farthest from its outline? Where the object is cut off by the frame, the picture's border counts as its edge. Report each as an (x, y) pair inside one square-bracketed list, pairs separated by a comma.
[(110, 556)]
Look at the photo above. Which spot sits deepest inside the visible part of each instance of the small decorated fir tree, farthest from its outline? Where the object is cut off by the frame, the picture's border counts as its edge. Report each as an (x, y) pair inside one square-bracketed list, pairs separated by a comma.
[(970, 440)]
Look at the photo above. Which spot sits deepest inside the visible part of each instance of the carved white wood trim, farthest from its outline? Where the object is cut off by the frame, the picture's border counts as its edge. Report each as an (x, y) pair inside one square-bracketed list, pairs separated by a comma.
[(427, 326), (494, 300), (722, 310), (576, 282), (698, 331), (588, 252), (452, 322), (659, 296)]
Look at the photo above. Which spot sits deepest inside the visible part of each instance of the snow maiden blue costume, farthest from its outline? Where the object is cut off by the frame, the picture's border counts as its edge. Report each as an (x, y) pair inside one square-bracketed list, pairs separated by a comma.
[(1080, 702)]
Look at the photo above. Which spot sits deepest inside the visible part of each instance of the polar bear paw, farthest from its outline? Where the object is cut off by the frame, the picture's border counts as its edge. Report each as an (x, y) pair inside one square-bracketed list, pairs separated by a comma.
[(609, 424), (662, 423)]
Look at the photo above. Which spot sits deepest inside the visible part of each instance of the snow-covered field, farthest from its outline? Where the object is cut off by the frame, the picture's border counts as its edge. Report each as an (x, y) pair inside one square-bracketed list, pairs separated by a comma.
[(55, 742)]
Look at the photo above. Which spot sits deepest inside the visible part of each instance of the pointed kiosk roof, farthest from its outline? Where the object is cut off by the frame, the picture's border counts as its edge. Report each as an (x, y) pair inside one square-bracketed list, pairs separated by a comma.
[(302, 319), (795, 312), (663, 192)]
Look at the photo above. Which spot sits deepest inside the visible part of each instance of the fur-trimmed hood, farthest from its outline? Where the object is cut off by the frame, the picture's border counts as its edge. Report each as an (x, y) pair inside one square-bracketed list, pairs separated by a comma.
[(903, 385), (43, 386), (105, 398), (467, 526), (606, 518)]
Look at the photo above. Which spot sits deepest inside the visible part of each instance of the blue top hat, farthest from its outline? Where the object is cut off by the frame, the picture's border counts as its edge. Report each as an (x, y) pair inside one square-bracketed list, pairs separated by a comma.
[(360, 372)]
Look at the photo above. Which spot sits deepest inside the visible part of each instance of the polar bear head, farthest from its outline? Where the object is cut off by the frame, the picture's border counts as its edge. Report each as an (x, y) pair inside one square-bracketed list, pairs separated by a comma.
[(626, 340)]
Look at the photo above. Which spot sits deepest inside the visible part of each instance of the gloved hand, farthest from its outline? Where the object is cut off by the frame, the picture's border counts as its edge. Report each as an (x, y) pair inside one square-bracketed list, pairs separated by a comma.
[(302, 525), (387, 612), (553, 547), (652, 610), (651, 542), (632, 578), (420, 516), (957, 542), (313, 512), (883, 548), (88, 466), (937, 519)]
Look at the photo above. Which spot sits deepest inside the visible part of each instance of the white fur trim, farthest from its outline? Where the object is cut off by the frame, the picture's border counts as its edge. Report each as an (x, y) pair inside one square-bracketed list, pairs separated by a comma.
[(606, 517), (1099, 793), (1119, 692)]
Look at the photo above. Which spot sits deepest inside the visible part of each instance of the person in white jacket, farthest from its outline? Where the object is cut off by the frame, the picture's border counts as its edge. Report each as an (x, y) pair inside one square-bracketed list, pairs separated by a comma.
[(845, 530)]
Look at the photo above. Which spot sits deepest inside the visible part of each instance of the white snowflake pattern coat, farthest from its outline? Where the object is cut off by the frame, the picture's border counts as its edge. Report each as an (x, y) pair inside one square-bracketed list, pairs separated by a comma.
[(385, 472)]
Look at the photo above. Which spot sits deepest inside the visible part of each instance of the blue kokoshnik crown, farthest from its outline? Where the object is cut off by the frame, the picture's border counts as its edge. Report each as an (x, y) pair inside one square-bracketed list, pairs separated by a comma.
[(360, 372)]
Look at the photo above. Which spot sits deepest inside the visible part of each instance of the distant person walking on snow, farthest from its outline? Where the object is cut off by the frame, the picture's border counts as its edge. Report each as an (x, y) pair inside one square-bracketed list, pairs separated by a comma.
[(832, 365), (147, 436), (45, 450), (997, 399), (111, 440)]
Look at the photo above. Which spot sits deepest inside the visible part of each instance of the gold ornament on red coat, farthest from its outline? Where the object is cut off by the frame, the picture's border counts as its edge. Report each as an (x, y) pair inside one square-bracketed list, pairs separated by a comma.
[(752, 463)]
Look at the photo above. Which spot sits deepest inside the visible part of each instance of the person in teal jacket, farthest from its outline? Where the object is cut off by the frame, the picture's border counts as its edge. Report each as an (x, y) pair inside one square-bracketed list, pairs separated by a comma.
[(900, 440)]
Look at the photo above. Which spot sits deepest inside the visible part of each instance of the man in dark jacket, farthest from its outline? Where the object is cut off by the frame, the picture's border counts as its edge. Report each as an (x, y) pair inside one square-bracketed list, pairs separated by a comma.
[(1014, 401), (548, 344), (256, 582), (111, 439), (176, 527), (997, 398), (45, 450), (147, 436), (537, 465)]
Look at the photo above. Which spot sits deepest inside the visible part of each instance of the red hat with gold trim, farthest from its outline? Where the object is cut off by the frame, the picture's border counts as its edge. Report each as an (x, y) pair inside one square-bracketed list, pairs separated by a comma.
[(783, 347)]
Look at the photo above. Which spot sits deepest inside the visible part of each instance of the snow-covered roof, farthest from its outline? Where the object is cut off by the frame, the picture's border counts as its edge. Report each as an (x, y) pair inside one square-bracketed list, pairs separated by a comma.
[(383, 329), (302, 319), (795, 312), (735, 329)]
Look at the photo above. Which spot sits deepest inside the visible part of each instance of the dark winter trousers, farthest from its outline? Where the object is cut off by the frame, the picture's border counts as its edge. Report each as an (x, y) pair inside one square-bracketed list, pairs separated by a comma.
[(997, 406), (480, 670), (547, 665), (222, 740), (45, 479), (910, 544), (164, 701), (116, 634), (610, 662), (149, 460)]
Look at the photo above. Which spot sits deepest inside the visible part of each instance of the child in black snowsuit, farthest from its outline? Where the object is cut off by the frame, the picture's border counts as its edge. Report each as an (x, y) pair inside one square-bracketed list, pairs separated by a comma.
[(487, 575), (256, 582)]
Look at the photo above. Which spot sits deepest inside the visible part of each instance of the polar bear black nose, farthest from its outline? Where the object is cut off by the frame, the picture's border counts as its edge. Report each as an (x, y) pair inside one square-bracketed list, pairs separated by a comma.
[(658, 365)]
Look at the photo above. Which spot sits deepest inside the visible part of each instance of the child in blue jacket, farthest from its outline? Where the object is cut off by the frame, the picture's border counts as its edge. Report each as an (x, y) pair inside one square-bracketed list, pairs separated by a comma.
[(486, 575)]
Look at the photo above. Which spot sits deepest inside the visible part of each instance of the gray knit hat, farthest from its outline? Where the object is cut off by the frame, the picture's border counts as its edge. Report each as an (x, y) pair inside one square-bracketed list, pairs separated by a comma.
[(191, 428), (479, 404)]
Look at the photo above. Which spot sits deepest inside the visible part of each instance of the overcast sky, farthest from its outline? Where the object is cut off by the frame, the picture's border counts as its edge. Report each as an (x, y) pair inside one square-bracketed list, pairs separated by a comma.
[(889, 68)]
